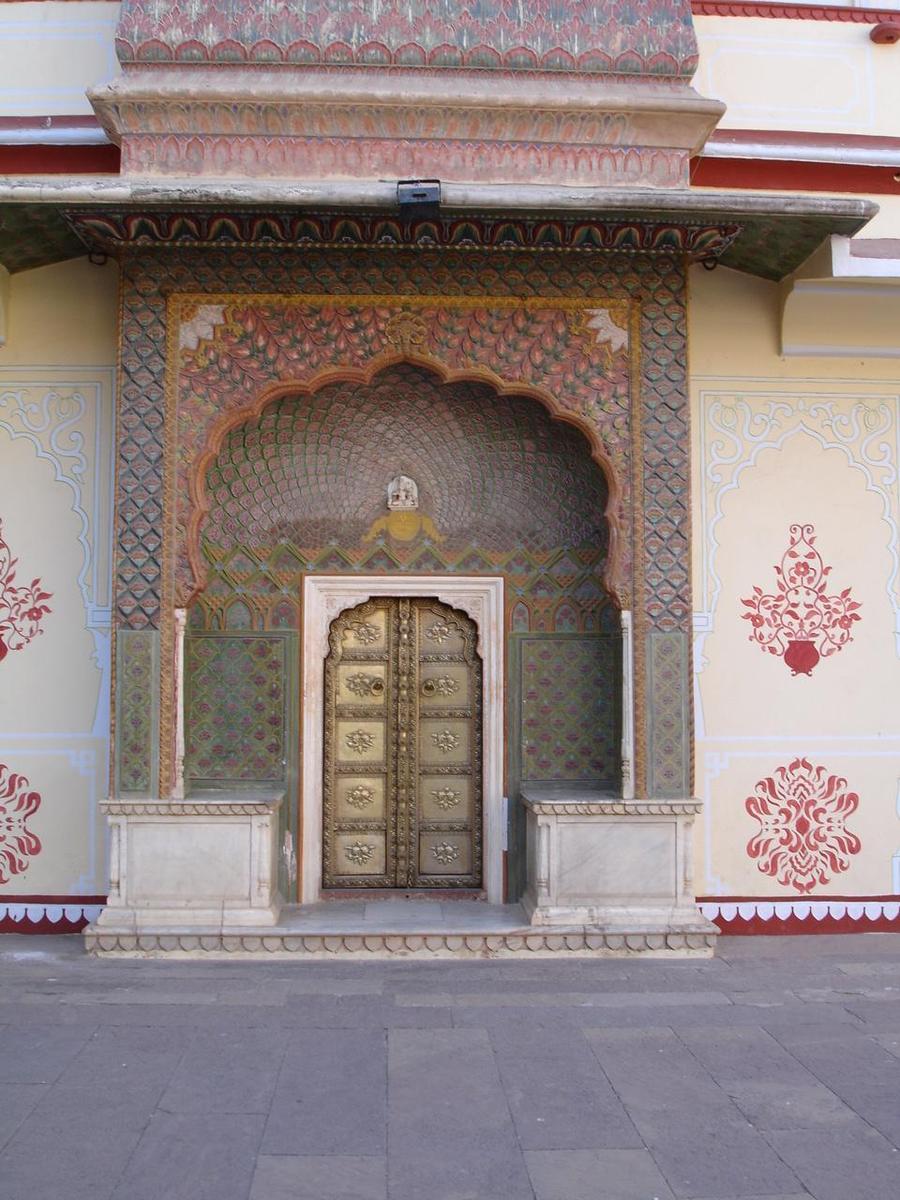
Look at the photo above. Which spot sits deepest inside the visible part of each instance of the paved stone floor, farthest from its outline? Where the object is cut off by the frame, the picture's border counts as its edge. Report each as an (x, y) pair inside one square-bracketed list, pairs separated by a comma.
[(771, 1071)]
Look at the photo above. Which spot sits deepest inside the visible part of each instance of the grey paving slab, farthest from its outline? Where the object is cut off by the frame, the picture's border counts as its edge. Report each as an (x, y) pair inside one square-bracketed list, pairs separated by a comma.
[(17, 1100), (517, 999), (771, 1088), (557, 1092), (123, 1055), (766, 1072), (725, 1161), (331, 1094), (319, 1177), (75, 1143), (699, 1138), (40, 1053), (882, 1018), (834, 1165), (193, 1157), (454, 1140), (596, 1175), (227, 1071), (861, 1072), (889, 1042)]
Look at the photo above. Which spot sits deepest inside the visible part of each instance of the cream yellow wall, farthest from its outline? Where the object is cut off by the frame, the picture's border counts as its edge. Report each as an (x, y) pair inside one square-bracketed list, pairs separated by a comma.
[(823, 76), (50, 53), (56, 479), (780, 441)]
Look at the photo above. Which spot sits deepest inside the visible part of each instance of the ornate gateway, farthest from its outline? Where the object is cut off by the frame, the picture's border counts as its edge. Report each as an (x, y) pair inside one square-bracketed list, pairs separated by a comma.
[(402, 786)]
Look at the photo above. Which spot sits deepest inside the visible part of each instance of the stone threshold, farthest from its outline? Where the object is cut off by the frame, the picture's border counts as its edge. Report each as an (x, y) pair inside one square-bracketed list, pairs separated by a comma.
[(398, 929)]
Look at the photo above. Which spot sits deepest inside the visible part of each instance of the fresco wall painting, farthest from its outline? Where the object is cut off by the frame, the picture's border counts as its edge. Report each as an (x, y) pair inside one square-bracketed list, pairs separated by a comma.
[(55, 509), (798, 746)]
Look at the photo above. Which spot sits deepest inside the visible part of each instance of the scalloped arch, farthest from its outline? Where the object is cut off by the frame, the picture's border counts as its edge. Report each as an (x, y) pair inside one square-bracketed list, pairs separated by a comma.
[(200, 501)]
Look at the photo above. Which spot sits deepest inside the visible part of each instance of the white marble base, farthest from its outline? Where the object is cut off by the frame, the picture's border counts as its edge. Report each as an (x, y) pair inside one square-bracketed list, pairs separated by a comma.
[(608, 863), (209, 860)]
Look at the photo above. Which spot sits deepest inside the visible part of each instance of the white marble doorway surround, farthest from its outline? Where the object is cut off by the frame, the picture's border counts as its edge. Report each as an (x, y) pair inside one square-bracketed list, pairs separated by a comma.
[(326, 597)]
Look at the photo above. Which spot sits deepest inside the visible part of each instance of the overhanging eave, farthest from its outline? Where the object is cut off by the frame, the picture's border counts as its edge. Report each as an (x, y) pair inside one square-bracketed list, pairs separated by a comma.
[(45, 220)]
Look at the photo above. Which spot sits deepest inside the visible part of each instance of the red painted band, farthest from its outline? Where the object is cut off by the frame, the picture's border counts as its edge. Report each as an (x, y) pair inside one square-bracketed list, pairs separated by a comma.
[(59, 160), (786, 176)]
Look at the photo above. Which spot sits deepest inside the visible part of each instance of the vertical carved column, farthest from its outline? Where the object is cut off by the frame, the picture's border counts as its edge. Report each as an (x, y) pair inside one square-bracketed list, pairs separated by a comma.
[(625, 618), (178, 774)]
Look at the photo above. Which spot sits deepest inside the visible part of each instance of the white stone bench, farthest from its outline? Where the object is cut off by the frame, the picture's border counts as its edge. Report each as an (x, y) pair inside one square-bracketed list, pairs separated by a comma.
[(203, 861)]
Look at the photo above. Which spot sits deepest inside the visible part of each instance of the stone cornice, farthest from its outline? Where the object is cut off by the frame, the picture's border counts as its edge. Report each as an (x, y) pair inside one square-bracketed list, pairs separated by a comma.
[(226, 805), (613, 808)]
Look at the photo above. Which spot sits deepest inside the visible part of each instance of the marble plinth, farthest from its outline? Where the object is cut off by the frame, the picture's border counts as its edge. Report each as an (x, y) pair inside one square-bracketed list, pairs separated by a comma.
[(610, 864), (205, 861)]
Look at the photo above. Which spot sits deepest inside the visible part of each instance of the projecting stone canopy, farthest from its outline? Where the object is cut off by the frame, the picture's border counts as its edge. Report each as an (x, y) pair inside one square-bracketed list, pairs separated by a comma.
[(490, 91)]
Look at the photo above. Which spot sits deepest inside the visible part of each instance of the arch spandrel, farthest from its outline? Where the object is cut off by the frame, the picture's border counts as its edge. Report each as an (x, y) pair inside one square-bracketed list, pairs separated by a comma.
[(237, 354)]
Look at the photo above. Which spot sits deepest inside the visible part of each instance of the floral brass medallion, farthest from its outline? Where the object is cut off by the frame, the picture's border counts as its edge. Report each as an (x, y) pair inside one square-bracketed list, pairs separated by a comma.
[(359, 741), (438, 632), (359, 853), (361, 796), (365, 633), (446, 797), (445, 740), (443, 685), (408, 670), (361, 684)]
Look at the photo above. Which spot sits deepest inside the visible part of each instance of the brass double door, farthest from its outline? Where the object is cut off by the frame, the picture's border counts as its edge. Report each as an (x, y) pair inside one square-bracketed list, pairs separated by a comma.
[(402, 785)]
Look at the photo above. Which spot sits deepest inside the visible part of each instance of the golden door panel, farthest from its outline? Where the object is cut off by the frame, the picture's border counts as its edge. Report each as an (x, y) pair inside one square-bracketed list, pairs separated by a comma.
[(443, 685), (402, 785), (360, 741), (446, 798), (359, 797)]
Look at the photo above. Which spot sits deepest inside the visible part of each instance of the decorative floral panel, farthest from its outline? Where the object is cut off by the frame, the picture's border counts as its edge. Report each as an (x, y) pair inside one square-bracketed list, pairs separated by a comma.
[(18, 844), (803, 840)]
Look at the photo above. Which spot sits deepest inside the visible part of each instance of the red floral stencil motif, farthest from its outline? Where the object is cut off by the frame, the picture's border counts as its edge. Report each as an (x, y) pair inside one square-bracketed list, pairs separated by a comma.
[(21, 608), (799, 622), (17, 842), (802, 839)]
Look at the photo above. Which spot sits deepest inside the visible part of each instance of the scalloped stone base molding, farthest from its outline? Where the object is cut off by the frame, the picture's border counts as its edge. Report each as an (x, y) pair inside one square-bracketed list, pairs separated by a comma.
[(511, 940)]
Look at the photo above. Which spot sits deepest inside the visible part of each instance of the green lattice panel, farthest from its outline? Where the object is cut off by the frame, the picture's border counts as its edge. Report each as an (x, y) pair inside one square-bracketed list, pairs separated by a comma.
[(137, 677), (235, 714), (569, 708)]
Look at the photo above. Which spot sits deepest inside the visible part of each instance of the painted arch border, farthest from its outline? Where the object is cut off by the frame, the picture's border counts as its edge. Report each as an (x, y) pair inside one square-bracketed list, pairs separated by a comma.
[(623, 473)]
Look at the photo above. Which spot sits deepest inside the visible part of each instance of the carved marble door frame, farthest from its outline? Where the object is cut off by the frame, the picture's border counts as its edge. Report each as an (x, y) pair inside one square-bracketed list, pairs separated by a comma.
[(324, 598)]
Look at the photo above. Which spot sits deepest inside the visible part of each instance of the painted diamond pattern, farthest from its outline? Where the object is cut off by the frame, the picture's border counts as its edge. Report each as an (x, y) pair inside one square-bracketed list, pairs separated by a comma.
[(234, 714), (569, 721)]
